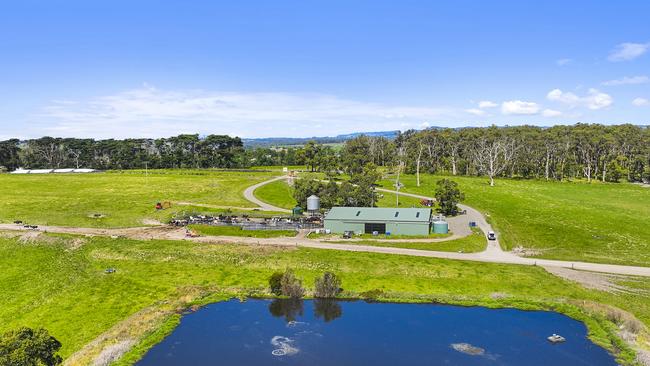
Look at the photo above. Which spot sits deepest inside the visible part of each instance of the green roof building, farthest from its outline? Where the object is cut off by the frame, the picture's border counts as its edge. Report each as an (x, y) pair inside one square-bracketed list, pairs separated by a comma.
[(366, 220)]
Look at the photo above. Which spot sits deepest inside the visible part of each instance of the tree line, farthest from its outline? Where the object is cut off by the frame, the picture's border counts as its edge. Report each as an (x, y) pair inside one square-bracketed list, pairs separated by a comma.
[(588, 151), (183, 151)]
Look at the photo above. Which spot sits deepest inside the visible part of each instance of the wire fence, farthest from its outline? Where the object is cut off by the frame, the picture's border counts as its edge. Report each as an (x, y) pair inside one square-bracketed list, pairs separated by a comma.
[(273, 226)]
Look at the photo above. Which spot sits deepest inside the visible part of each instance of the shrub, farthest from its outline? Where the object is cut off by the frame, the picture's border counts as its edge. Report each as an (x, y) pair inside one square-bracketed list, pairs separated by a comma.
[(291, 286), (615, 316), (633, 325), (372, 295), (29, 347), (275, 283), (327, 286)]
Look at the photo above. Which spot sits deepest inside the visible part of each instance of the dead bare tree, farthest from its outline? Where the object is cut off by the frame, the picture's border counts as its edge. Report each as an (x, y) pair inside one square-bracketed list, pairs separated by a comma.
[(493, 156)]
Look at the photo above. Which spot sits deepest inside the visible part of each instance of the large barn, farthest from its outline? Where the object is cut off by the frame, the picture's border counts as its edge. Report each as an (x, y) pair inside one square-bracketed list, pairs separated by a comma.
[(366, 220)]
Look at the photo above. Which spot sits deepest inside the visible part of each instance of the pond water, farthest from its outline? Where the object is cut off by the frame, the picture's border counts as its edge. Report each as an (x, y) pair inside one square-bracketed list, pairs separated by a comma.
[(322, 332)]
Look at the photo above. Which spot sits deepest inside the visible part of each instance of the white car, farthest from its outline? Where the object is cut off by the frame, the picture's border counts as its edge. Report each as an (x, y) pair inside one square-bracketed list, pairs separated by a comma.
[(492, 235)]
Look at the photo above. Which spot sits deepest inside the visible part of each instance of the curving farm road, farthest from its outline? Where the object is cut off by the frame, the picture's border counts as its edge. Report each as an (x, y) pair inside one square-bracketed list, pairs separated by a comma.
[(249, 195)]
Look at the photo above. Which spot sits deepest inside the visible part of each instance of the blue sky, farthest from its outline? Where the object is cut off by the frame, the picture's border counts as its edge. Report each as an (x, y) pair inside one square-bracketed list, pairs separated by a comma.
[(301, 68)]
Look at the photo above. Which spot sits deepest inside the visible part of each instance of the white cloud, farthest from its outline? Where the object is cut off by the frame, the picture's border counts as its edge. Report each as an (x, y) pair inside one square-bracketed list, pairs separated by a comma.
[(476, 112), (150, 112), (628, 51), (563, 61), (519, 107), (487, 104), (640, 102), (628, 80), (593, 100), (551, 113)]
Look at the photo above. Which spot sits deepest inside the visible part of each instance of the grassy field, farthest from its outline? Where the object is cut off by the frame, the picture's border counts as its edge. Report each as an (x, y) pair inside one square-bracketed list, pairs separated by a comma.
[(389, 200), (595, 222), (58, 282), (237, 231), (470, 244), (123, 198), (277, 193)]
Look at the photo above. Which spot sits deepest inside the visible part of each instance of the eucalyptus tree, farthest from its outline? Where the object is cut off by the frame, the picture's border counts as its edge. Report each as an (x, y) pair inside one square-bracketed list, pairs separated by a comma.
[(493, 153)]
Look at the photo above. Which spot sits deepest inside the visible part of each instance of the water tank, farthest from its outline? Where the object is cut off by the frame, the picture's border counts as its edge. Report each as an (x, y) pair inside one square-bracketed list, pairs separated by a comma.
[(313, 203), (440, 227)]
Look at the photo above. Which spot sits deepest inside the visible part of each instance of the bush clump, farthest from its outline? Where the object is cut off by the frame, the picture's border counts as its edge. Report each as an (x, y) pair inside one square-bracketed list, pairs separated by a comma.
[(27, 347), (328, 286), (372, 295), (275, 283), (286, 284)]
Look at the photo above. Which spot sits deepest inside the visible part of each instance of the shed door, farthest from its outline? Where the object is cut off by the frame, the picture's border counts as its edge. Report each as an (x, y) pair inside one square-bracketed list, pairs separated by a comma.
[(370, 227)]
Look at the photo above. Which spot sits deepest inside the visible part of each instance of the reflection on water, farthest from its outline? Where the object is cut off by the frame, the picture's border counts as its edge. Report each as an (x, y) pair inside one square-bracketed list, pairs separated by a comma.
[(326, 333), (327, 309), (291, 309)]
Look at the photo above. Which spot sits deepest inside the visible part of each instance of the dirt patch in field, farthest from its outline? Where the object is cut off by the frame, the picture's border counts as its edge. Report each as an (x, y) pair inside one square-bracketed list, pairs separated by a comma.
[(75, 243), (152, 222), (592, 280), (526, 252)]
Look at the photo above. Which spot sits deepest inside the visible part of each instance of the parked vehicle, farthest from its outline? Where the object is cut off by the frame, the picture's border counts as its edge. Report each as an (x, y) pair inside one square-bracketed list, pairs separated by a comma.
[(492, 235)]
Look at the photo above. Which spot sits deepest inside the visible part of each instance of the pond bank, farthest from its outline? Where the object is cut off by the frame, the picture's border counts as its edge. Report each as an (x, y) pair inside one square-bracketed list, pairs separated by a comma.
[(600, 331)]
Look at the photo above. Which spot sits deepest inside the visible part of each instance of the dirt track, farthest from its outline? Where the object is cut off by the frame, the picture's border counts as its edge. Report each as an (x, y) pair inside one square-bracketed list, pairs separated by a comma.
[(493, 254)]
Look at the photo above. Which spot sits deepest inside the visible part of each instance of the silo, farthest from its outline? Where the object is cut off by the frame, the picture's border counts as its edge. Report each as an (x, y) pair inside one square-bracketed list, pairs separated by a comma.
[(440, 227), (313, 203)]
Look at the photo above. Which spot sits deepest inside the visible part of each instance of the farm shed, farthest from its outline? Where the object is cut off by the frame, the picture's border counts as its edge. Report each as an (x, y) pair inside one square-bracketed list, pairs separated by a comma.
[(366, 220)]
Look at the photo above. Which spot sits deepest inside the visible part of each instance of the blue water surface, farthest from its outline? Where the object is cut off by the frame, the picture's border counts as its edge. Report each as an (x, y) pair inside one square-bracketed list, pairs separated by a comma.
[(328, 333)]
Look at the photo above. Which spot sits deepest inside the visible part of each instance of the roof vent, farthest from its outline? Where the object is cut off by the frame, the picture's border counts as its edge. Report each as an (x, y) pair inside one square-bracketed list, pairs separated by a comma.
[(417, 214), (358, 213), (396, 213)]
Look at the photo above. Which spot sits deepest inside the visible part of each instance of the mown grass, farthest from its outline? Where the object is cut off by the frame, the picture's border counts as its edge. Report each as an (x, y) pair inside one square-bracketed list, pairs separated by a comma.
[(277, 193), (124, 198), (58, 282), (595, 222), (470, 244), (390, 200), (214, 230)]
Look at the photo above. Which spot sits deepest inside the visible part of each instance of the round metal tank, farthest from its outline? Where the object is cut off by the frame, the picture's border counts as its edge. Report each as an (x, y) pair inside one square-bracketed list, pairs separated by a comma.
[(313, 203), (440, 227)]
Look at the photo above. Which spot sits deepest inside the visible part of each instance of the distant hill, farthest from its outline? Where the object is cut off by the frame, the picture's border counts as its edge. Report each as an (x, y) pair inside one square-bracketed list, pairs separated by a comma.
[(289, 141)]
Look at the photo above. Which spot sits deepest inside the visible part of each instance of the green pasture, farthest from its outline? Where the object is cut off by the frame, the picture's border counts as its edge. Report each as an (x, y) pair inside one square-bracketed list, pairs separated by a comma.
[(237, 231), (122, 198), (277, 193), (608, 223)]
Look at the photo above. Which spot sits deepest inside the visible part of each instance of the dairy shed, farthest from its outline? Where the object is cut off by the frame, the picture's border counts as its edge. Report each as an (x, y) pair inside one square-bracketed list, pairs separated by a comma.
[(366, 220)]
